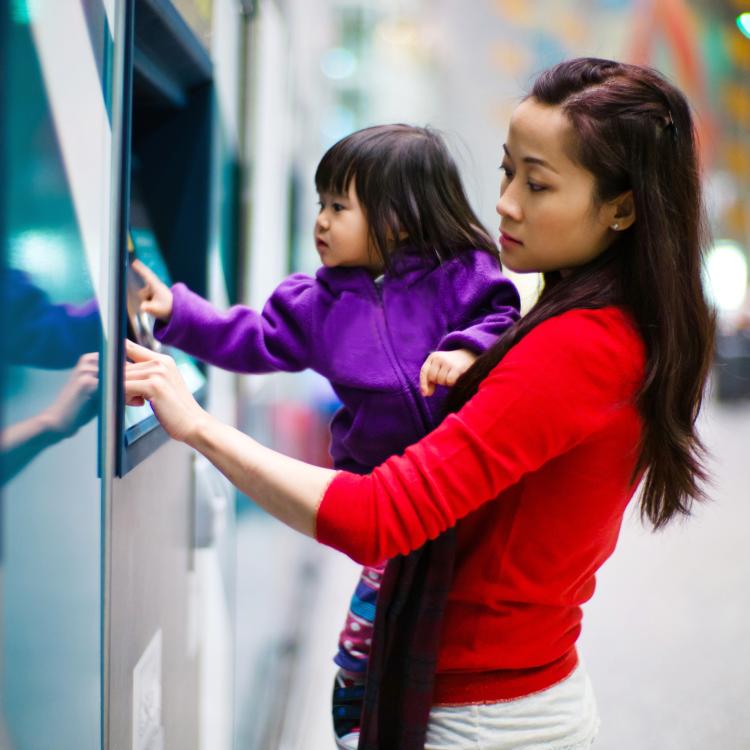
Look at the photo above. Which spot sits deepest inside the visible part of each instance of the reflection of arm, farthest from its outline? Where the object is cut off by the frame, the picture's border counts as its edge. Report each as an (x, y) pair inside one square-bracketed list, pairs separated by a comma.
[(485, 303), (564, 382), (45, 334), (242, 339), (74, 406), (21, 442)]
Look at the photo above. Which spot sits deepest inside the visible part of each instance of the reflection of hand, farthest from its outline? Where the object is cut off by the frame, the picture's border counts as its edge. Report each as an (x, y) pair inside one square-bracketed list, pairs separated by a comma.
[(444, 368), (75, 404), (154, 377), (156, 296)]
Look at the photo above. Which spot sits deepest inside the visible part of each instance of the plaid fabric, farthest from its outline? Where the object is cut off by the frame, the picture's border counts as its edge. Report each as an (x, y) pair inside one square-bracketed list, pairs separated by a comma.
[(401, 671)]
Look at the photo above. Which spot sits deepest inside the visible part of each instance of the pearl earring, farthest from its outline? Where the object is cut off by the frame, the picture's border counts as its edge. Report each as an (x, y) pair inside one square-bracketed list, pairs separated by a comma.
[(615, 226)]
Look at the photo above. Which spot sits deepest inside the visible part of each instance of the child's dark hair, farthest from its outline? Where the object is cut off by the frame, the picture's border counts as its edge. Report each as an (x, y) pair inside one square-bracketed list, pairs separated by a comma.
[(407, 184), (633, 130)]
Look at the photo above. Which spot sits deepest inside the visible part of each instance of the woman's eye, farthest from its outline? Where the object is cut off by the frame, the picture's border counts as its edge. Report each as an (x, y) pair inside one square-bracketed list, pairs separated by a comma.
[(536, 188), (507, 171)]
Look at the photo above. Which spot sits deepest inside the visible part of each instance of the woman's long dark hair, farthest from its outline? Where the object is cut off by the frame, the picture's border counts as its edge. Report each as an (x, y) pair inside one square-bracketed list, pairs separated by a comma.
[(633, 131), (407, 183)]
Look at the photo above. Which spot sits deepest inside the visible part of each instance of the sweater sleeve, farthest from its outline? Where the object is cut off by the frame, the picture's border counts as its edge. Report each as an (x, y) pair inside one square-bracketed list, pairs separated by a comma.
[(559, 385), (486, 303), (242, 339)]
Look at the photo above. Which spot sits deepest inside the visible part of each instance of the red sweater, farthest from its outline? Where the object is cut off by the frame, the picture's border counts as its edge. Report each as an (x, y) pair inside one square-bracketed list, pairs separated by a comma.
[(535, 470)]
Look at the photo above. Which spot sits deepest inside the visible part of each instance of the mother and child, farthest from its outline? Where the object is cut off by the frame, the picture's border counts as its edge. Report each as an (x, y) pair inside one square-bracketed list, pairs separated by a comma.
[(481, 531)]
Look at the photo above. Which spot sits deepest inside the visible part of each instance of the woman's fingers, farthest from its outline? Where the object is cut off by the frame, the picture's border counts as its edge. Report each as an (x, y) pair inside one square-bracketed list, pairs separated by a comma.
[(155, 378), (137, 353)]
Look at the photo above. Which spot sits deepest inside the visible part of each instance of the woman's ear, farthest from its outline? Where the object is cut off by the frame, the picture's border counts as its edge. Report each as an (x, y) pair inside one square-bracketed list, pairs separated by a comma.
[(619, 213)]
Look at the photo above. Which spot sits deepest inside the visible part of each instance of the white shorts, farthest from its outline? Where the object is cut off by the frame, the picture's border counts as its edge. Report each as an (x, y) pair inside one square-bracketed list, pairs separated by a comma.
[(561, 717)]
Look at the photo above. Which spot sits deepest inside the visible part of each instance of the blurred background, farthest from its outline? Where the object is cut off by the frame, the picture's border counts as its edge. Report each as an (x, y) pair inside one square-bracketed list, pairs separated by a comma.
[(142, 603)]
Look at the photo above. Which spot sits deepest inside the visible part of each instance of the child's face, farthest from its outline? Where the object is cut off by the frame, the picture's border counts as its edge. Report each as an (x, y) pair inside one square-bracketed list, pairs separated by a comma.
[(342, 232), (549, 219)]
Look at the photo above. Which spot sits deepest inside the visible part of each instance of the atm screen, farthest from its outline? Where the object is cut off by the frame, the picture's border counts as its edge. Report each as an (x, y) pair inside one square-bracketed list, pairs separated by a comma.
[(140, 328)]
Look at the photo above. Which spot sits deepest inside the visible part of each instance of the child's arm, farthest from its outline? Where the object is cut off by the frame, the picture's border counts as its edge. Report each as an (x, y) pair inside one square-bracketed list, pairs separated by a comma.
[(485, 303), (239, 339)]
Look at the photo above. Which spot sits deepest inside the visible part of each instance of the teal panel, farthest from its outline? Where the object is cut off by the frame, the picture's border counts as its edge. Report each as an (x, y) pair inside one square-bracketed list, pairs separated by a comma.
[(50, 565), (229, 215)]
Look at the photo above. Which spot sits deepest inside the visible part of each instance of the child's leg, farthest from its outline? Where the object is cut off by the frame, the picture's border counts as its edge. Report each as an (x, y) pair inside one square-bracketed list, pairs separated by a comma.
[(348, 695), (354, 650)]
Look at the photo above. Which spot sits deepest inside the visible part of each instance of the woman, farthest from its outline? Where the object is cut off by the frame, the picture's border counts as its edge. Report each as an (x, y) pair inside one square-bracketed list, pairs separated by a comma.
[(524, 487)]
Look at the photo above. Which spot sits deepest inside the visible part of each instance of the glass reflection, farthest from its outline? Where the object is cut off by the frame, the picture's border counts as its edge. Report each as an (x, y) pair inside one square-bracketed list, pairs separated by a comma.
[(50, 336), (50, 354)]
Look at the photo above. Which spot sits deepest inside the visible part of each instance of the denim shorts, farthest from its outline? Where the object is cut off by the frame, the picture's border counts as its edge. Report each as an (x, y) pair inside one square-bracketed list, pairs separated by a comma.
[(561, 717)]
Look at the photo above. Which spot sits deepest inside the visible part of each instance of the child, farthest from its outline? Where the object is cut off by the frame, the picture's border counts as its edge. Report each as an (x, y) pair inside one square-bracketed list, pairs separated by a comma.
[(411, 284)]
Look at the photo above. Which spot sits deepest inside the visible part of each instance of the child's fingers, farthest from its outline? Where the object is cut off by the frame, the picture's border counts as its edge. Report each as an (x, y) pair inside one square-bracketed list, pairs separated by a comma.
[(152, 308), (441, 373), (451, 376), (423, 379), (146, 292), (427, 376), (145, 273)]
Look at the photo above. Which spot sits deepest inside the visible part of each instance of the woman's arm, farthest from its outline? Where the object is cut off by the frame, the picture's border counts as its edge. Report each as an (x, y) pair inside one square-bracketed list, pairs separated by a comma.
[(565, 381), (288, 489)]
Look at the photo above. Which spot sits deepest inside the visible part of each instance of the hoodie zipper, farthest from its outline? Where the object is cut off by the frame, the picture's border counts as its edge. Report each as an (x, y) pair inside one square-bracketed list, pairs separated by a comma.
[(420, 408)]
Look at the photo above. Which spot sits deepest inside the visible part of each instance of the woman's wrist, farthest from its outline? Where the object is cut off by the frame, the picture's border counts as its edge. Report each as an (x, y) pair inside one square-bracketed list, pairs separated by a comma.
[(201, 428)]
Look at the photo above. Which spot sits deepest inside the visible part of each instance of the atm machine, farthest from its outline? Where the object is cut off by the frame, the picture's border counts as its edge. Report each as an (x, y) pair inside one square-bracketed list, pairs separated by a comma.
[(116, 543)]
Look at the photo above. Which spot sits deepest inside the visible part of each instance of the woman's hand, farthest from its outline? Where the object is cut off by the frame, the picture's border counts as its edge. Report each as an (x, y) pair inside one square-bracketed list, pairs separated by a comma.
[(288, 489), (156, 296), (444, 368), (154, 377)]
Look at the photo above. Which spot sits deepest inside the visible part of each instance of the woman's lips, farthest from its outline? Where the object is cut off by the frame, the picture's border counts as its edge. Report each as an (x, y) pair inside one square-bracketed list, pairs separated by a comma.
[(507, 240)]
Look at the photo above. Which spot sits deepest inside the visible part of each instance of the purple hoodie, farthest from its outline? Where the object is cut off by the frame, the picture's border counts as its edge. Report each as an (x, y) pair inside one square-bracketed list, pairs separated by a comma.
[(368, 338)]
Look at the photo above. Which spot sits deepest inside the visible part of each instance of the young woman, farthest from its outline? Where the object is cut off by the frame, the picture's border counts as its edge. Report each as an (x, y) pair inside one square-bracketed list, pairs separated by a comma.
[(499, 519), (409, 277)]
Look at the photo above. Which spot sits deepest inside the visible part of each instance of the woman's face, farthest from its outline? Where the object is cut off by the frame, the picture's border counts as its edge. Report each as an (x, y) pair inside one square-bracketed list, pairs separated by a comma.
[(549, 220)]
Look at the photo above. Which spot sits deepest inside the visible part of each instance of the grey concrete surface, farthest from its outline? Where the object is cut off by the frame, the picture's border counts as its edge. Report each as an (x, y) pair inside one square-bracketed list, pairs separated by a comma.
[(666, 635)]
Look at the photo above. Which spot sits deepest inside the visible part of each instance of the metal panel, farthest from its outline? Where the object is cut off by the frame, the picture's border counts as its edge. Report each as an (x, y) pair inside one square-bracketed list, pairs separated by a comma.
[(150, 591)]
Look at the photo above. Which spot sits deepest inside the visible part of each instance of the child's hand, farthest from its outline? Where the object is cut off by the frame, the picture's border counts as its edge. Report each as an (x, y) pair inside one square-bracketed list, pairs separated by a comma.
[(156, 296), (444, 368)]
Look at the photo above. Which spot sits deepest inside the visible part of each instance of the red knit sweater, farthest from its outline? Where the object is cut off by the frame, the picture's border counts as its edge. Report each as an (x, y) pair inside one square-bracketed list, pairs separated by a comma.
[(536, 469)]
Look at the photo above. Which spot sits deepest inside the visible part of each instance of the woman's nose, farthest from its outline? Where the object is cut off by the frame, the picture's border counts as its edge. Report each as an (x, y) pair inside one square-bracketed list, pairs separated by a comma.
[(506, 206)]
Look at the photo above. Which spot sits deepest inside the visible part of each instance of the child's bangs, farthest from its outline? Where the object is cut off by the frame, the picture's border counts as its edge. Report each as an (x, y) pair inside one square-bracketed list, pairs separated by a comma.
[(335, 171)]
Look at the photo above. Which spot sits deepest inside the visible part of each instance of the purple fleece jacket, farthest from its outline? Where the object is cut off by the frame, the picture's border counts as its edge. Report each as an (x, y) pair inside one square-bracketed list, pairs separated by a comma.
[(368, 338)]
